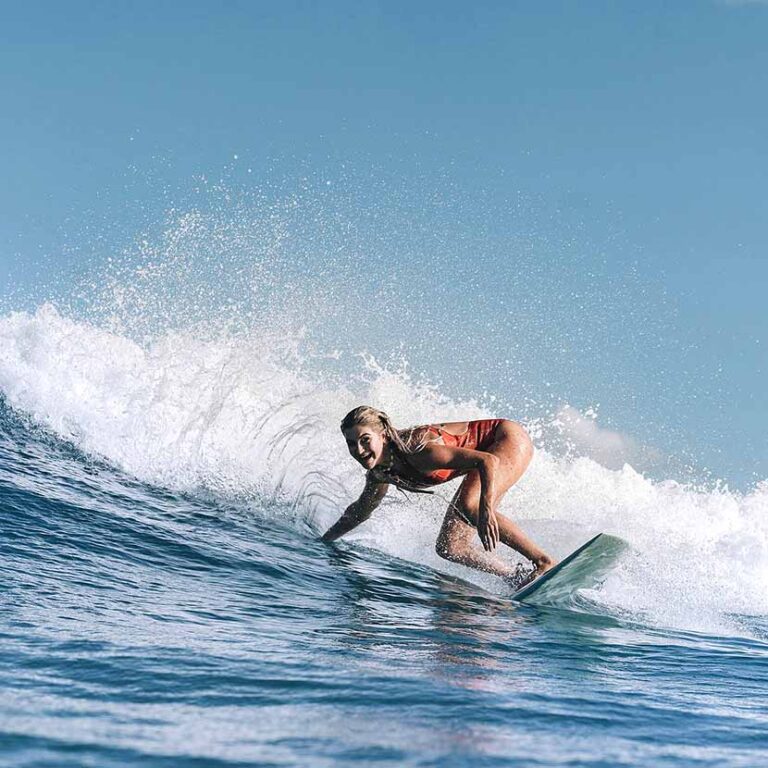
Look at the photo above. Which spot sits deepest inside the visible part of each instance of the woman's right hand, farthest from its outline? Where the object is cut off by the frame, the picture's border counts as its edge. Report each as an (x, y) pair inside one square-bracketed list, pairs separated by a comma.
[(488, 529)]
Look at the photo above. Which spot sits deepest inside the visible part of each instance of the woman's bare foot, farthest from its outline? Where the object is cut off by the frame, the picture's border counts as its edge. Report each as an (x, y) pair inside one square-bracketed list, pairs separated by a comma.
[(523, 576), (545, 564)]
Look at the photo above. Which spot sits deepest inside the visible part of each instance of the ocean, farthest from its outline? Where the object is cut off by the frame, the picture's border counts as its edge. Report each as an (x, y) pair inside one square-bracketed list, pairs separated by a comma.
[(166, 600)]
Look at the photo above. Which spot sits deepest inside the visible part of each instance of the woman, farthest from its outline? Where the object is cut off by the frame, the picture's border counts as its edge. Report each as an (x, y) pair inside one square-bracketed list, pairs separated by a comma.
[(492, 454)]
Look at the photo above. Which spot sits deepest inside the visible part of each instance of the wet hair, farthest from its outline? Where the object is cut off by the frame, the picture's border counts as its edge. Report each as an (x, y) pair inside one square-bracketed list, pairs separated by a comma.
[(372, 417), (405, 442)]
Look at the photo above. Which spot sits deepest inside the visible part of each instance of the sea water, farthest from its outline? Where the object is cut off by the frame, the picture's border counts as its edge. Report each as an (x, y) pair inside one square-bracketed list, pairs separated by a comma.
[(170, 454), (166, 600)]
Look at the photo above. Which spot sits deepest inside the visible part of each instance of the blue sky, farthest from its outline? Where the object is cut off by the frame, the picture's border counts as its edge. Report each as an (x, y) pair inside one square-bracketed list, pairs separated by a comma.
[(636, 131)]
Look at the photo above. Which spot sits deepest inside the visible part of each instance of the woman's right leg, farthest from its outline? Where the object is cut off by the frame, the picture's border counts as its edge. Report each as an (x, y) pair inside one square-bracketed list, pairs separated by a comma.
[(454, 543)]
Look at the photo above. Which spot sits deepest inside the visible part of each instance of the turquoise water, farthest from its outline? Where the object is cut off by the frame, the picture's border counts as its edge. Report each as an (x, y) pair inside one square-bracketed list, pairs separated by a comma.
[(148, 626)]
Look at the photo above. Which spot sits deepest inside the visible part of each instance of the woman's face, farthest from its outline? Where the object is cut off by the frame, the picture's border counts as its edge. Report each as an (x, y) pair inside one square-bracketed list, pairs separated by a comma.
[(366, 444)]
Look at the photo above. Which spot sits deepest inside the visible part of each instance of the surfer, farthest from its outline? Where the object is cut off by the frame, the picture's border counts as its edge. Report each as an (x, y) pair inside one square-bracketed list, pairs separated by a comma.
[(491, 454)]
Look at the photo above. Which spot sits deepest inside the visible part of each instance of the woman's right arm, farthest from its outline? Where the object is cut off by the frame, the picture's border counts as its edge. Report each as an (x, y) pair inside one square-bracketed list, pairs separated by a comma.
[(358, 511)]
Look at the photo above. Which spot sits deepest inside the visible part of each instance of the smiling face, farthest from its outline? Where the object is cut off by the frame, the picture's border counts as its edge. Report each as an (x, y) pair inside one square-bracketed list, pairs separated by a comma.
[(366, 444)]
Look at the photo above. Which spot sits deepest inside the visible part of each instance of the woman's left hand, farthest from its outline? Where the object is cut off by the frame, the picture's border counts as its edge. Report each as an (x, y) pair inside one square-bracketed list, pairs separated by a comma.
[(488, 530)]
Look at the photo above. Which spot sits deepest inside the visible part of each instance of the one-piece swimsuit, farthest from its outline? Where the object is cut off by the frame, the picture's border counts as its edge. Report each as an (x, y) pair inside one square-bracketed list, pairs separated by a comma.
[(479, 436)]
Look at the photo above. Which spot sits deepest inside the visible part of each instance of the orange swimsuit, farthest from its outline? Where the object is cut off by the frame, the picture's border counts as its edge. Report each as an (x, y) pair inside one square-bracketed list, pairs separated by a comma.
[(480, 435)]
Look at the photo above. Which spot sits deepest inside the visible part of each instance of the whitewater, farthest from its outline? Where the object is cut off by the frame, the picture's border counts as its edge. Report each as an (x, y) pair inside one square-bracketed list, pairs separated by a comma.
[(166, 600)]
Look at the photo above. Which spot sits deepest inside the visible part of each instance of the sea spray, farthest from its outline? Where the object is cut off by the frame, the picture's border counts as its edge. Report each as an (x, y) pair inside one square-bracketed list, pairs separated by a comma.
[(246, 416)]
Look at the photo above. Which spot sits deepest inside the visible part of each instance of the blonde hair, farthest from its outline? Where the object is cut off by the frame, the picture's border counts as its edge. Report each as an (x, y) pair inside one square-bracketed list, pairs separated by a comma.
[(404, 441)]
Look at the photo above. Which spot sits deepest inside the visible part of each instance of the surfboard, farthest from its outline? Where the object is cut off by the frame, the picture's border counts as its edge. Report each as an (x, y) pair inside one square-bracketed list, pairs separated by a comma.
[(585, 568)]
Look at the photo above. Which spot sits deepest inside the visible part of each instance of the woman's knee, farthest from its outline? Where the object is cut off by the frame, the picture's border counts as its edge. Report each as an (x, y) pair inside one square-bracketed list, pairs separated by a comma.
[(443, 549), (449, 548)]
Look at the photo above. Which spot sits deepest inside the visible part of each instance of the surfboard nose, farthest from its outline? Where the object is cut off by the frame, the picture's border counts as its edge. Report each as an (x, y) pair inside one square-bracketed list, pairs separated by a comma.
[(585, 568)]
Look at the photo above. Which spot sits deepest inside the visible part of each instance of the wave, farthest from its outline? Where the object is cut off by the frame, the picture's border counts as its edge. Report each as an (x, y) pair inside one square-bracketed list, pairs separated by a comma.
[(249, 421)]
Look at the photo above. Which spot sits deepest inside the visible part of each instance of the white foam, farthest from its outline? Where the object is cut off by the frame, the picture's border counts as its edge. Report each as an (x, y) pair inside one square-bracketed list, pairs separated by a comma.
[(243, 416)]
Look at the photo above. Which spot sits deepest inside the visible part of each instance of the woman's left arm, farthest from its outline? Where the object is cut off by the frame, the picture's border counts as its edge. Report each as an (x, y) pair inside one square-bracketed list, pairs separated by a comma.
[(433, 457)]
